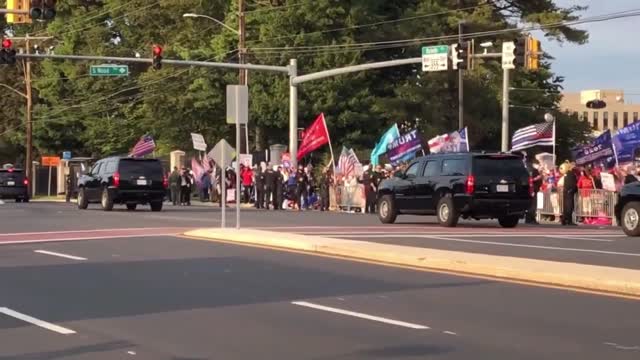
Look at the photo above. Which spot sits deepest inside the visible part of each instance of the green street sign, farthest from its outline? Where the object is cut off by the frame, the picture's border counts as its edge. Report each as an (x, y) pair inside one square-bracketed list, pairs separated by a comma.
[(431, 50), (109, 70)]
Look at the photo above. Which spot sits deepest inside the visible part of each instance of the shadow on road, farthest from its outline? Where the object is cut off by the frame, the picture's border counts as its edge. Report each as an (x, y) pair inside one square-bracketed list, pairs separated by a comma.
[(74, 351)]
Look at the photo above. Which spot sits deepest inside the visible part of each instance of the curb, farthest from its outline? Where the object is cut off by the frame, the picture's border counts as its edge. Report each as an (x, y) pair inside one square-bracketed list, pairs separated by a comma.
[(567, 275)]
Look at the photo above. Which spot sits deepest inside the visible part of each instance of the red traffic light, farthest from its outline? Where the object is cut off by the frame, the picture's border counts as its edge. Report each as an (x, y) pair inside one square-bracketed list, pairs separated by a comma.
[(7, 44), (157, 50)]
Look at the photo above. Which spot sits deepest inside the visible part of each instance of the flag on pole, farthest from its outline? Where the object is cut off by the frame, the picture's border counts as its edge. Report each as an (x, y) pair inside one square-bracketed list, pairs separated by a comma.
[(348, 162), (457, 141), (144, 146), (314, 137), (381, 147), (534, 135)]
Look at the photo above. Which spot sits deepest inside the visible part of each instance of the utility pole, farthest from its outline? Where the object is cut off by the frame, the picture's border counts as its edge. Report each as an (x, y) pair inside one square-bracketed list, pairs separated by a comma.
[(460, 77), (243, 75), (505, 110), (28, 125)]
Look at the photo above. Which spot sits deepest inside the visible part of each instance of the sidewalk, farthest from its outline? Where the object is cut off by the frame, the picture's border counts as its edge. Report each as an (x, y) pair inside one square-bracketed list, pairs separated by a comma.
[(578, 276)]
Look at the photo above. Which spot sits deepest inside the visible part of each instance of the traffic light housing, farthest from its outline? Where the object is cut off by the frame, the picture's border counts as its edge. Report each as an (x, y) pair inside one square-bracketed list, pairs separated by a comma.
[(157, 57), (533, 51), (21, 5), (42, 9), (520, 52), (460, 55), (7, 53)]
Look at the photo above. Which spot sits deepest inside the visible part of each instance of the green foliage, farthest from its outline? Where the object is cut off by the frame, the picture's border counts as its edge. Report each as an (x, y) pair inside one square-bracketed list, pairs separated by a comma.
[(101, 116)]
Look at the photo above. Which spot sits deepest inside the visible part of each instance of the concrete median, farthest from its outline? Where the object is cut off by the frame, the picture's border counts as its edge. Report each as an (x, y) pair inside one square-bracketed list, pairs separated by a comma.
[(579, 276)]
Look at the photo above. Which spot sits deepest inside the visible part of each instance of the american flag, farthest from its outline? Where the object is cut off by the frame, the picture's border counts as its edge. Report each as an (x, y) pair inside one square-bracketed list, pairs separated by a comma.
[(534, 135), (144, 146), (348, 162)]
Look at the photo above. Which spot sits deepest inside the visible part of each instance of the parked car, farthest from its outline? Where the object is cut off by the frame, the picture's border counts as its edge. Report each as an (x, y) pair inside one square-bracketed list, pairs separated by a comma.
[(455, 185), (123, 180), (627, 209), (14, 185)]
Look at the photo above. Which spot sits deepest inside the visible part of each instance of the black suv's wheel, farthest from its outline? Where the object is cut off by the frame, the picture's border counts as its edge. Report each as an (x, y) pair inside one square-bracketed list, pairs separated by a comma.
[(446, 212), (131, 207), (18, 200), (83, 202), (387, 212), (630, 219), (107, 200), (509, 221), (156, 205), (26, 199)]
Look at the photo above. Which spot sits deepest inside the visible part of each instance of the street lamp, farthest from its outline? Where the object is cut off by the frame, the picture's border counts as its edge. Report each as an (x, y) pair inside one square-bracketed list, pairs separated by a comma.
[(548, 117), (191, 15)]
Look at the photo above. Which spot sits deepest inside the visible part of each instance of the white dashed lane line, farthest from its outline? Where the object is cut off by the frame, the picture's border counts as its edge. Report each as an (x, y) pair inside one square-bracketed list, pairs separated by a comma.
[(66, 256), (36, 322)]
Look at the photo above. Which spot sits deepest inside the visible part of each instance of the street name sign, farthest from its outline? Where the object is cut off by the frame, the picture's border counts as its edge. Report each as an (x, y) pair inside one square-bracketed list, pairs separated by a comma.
[(508, 56), (435, 58), (109, 70)]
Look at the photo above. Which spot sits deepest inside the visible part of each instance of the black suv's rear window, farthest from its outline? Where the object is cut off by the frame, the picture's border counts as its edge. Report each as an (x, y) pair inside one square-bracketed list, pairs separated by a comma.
[(15, 174), (151, 169), (499, 166)]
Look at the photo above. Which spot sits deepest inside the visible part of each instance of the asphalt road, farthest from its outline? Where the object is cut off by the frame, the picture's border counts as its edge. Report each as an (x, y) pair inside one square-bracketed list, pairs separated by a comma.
[(163, 297), (605, 246)]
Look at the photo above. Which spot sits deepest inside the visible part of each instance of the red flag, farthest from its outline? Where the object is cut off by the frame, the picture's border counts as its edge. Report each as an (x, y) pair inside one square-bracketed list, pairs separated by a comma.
[(315, 136)]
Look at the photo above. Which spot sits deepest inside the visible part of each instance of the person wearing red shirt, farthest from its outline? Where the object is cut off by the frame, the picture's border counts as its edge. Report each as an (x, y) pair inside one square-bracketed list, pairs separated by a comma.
[(247, 183)]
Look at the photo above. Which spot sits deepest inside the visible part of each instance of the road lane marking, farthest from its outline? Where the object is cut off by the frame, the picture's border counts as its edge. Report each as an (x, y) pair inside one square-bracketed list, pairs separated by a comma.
[(450, 333), (530, 246), (60, 255), (486, 235), (91, 231), (13, 242), (37, 322), (360, 315), (569, 237)]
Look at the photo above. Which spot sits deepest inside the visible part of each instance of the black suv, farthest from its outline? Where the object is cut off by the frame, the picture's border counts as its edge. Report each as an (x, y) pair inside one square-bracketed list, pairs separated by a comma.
[(123, 180), (627, 209), (14, 185), (454, 185)]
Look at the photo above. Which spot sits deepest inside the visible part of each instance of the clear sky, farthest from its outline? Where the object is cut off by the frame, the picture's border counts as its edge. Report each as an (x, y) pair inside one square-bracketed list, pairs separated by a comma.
[(610, 60)]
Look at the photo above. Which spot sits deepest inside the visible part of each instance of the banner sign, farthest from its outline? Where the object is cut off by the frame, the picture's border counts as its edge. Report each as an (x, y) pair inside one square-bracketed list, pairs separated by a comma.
[(404, 148), (600, 149), (627, 142), (198, 142), (457, 141)]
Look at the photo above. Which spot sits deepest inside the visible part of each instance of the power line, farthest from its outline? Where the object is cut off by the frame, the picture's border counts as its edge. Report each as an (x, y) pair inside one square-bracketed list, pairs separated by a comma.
[(276, 8), (370, 24)]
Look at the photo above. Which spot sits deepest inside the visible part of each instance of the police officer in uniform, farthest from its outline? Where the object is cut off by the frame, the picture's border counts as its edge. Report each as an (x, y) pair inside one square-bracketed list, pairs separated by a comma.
[(260, 187), (269, 187), (325, 184), (279, 196)]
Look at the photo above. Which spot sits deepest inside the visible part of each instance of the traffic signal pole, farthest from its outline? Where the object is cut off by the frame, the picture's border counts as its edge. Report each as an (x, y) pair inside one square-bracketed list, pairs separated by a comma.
[(29, 122), (505, 110)]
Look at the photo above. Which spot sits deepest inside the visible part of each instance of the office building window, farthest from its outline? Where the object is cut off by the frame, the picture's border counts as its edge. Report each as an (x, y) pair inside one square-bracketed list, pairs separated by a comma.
[(625, 118), (615, 120), (635, 116), (585, 116), (605, 120), (595, 121)]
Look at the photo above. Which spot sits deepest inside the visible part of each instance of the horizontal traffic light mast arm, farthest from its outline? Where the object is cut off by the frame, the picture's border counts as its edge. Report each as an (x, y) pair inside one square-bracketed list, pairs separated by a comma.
[(13, 11), (350, 69), (282, 69)]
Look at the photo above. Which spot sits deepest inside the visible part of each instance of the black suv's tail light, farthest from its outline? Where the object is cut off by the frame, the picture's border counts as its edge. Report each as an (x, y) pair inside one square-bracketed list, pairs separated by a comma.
[(25, 182), (531, 192), (165, 182), (470, 184), (116, 179)]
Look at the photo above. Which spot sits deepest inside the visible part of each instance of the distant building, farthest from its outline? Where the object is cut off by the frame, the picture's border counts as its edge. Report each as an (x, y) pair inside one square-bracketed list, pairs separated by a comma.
[(617, 114)]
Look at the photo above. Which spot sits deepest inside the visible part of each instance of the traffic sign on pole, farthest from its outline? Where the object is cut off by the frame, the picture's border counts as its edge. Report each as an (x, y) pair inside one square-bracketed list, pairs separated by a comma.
[(435, 58), (109, 70), (508, 55)]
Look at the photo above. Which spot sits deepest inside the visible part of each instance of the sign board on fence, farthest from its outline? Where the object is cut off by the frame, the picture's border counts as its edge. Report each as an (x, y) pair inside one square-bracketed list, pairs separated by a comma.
[(50, 161), (435, 58), (109, 70), (286, 160), (222, 153), (246, 160), (231, 195), (608, 181), (237, 104), (198, 142), (66, 155)]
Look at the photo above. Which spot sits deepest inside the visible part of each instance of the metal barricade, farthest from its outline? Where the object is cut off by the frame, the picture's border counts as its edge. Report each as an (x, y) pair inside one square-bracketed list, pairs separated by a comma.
[(591, 206), (596, 207), (350, 197)]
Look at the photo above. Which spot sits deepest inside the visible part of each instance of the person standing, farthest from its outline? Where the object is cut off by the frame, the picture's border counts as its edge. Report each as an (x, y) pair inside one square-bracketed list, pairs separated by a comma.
[(174, 185), (259, 178), (570, 188), (269, 187), (369, 191), (278, 198), (302, 181), (536, 177), (247, 183), (325, 184), (185, 187)]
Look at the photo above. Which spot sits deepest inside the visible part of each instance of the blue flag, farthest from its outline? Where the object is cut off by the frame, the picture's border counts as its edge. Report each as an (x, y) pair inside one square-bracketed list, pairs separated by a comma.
[(381, 147)]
